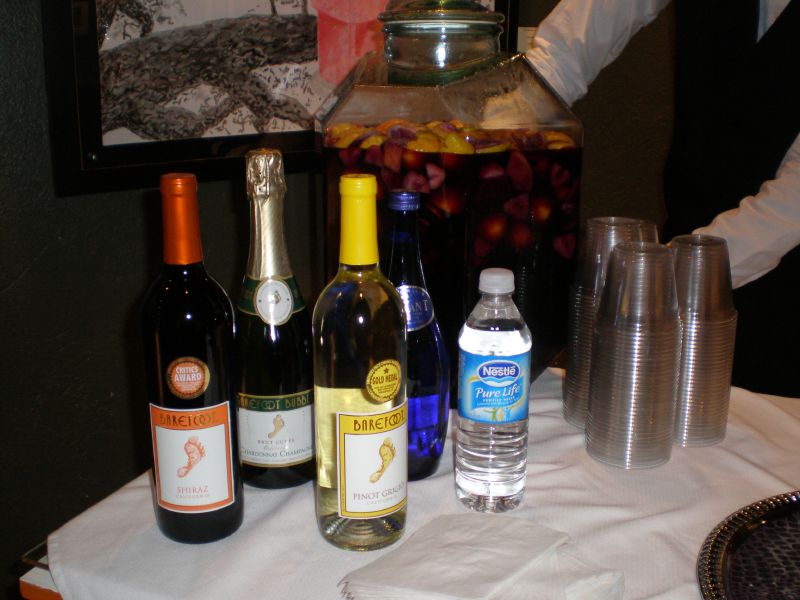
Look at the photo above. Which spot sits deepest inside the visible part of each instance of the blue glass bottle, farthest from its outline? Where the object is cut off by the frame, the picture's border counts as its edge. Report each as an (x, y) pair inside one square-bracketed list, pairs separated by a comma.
[(428, 379)]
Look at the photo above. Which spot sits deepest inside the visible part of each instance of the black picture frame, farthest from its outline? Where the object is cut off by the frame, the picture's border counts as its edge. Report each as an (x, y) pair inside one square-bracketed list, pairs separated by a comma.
[(82, 163)]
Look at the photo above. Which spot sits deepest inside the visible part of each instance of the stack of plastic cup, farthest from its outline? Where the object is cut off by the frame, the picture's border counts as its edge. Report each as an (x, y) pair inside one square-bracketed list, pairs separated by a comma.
[(708, 322), (635, 359), (602, 234)]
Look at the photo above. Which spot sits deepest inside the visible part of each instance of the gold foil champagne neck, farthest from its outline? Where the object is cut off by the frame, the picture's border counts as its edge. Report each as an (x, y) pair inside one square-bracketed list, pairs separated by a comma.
[(266, 188), (265, 173)]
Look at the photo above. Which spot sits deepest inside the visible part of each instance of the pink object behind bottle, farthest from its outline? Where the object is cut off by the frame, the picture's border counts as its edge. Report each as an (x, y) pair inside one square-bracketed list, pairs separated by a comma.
[(346, 30)]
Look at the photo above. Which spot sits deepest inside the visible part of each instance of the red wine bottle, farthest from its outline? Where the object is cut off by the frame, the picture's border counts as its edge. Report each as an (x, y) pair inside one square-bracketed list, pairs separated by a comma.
[(188, 327)]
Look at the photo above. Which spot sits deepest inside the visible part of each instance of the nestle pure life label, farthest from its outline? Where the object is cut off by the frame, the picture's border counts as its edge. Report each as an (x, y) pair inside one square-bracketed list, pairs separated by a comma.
[(493, 389)]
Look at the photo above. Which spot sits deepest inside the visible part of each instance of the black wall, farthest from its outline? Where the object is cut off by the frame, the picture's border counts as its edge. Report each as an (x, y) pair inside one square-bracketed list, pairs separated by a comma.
[(627, 118), (73, 271)]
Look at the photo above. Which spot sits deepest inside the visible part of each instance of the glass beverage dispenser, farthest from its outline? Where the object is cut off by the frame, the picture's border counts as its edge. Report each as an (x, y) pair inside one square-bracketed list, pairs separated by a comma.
[(495, 153)]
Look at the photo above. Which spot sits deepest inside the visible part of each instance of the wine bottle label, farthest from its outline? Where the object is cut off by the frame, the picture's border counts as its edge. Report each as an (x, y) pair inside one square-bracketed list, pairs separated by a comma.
[(193, 460), (276, 431), (383, 380), (187, 377), (372, 453), (274, 299), (418, 306), (493, 389)]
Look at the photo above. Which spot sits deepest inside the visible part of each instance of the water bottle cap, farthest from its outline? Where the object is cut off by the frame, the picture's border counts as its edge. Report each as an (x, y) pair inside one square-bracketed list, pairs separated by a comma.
[(496, 281), (403, 200)]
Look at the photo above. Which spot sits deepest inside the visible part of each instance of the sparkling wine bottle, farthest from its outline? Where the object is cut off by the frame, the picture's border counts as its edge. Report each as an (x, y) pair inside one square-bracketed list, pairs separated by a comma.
[(359, 387), (428, 377), (188, 327), (276, 428)]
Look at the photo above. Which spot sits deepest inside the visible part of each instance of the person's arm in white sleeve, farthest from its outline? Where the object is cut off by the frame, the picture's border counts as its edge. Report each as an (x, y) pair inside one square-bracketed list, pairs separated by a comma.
[(580, 37), (764, 227)]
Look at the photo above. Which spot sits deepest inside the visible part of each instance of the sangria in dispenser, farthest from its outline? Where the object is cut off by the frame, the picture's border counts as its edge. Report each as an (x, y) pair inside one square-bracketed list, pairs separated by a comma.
[(495, 153)]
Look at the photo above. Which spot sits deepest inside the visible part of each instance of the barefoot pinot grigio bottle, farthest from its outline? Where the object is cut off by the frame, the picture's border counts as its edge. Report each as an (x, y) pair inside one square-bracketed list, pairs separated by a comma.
[(276, 411), (359, 387), (188, 339)]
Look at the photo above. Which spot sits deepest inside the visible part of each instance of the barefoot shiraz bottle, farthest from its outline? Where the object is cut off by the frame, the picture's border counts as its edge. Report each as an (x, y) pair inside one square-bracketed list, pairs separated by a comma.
[(360, 387), (276, 410), (189, 344)]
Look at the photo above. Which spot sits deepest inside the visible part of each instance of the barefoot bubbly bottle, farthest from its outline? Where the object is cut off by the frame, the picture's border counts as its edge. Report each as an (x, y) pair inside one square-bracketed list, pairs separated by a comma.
[(276, 410), (188, 332), (359, 387)]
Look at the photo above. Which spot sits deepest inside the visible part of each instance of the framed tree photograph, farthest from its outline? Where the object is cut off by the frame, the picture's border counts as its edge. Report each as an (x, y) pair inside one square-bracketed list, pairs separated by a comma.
[(139, 87)]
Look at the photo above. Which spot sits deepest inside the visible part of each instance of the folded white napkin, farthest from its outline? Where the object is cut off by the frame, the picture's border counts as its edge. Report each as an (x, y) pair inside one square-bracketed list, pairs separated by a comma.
[(473, 556), (562, 576)]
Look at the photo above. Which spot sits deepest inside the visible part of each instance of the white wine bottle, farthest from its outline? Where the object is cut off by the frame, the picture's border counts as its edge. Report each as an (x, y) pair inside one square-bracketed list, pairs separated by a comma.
[(360, 387)]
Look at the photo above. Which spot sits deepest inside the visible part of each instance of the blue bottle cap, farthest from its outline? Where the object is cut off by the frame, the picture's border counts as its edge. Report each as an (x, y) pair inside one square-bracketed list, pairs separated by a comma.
[(403, 200)]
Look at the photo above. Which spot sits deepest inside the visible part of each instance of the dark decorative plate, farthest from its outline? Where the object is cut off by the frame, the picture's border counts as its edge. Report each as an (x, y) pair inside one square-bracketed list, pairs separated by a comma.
[(754, 554)]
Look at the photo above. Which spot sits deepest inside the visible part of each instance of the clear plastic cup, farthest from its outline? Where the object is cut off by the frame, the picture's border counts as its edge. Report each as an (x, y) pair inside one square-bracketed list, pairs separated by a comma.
[(634, 373), (703, 275), (708, 325), (601, 235), (640, 287)]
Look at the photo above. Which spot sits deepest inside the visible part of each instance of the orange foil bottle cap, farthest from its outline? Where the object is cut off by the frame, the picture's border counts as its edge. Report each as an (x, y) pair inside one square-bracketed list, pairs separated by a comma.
[(181, 219)]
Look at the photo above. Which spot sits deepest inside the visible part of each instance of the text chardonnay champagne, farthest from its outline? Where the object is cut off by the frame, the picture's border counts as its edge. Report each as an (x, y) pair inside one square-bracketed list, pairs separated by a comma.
[(188, 327), (359, 387), (276, 411)]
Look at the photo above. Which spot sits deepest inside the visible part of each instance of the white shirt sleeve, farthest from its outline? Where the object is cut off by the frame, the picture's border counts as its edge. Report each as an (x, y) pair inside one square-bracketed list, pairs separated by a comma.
[(580, 37), (764, 227)]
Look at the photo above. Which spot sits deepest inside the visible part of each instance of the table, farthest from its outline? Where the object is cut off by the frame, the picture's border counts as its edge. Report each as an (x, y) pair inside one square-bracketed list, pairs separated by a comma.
[(650, 524)]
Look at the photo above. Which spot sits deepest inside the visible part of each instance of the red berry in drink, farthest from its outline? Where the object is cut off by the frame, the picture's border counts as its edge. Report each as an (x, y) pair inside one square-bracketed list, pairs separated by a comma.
[(481, 247), (393, 156), (567, 193), (491, 170), (452, 161), (391, 179), (402, 134), (541, 209), (449, 200), (518, 207), (520, 237), (350, 156), (436, 175), (559, 175), (413, 160), (565, 244), (374, 156), (541, 167), (416, 182), (519, 170), (493, 227)]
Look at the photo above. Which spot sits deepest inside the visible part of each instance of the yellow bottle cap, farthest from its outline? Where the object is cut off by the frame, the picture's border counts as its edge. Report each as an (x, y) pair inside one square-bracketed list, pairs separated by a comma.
[(358, 184), (359, 228)]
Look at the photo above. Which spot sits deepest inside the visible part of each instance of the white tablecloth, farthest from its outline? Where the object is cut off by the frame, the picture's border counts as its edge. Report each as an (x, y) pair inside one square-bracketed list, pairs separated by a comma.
[(649, 524)]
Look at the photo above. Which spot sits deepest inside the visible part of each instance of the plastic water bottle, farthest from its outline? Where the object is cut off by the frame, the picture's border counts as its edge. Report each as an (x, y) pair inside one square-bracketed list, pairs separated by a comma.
[(493, 383)]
